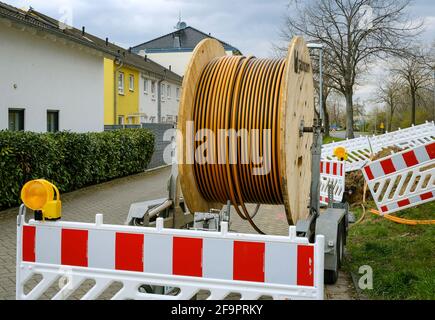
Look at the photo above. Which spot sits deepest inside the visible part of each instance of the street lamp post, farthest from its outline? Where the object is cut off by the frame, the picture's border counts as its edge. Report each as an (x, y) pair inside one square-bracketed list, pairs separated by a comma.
[(433, 110)]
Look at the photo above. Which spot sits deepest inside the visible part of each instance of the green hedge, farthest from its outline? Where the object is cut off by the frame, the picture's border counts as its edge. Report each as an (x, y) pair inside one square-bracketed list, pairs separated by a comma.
[(69, 160)]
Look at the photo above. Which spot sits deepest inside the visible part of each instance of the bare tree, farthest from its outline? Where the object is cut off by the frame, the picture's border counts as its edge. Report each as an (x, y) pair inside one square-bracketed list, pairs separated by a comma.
[(352, 32), (389, 93), (414, 70), (336, 110)]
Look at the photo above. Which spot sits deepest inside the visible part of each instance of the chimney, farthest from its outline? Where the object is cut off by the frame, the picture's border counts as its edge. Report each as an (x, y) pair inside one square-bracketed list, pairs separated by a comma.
[(177, 43), (107, 41), (83, 31)]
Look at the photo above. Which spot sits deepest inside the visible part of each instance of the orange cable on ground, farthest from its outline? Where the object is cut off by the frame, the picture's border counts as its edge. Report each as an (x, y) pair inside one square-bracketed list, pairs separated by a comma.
[(403, 221)]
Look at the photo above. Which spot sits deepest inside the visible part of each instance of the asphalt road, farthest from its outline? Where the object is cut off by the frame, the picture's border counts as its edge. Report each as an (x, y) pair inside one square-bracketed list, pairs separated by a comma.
[(342, 134)]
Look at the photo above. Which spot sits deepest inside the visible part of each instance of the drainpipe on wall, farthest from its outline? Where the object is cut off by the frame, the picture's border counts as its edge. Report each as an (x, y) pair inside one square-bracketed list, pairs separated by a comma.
[(115, 88), (159, 100)]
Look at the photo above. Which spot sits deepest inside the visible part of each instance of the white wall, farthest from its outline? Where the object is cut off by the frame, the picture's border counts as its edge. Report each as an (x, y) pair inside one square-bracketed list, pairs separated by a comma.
[(177, 60), (148, 101), (50, 75)]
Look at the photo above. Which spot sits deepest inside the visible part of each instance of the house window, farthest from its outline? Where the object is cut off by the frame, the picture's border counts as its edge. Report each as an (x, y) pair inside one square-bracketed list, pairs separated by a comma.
[(52, 121), (168, 91), (163, 120), (152, 119), (131, 82), (16, 119), (162, 91), (153, 88), (177, 92), (121, 83), (145, 86), (121, 120)]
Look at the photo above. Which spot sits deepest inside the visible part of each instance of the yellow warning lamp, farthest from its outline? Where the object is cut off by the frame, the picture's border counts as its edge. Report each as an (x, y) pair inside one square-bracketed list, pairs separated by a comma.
[(340, 153), (44, 198)]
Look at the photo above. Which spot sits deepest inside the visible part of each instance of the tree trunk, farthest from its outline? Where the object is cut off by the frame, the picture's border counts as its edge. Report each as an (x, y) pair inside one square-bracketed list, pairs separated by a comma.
[(390, 122), (413, 105), (326, 120), (349, 114)]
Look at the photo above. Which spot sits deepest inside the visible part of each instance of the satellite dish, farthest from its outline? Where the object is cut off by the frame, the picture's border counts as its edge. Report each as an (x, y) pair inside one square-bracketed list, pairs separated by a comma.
[(181, 25)]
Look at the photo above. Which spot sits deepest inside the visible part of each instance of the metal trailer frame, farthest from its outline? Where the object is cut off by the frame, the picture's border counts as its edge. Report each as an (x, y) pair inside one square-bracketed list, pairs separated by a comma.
[(332, 223)]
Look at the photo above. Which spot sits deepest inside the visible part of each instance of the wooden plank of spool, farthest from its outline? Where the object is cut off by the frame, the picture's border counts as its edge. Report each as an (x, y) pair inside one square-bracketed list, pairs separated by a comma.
[(296, 96)]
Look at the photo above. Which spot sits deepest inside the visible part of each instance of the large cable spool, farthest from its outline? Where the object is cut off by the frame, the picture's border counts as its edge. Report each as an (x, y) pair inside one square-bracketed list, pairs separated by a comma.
[(223, 92)]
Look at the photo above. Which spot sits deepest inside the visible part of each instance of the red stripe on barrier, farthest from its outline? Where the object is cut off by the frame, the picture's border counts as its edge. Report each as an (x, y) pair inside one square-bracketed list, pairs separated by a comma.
[(384, 209), (328, 168), (334, 169), (369, 173), (388, 166), (431, 150), (410, 159), (29, 234), (426, 196), (403, 203), (74, 246), (341, 169), (187, 257), (305, 266), (129, 251), (321, 167), (248, 261)]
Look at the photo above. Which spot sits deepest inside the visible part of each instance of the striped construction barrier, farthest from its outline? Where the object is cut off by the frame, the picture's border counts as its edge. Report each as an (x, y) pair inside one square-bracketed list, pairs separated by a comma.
[(253, 265), (361, 150), (403, 180), (332, 173)]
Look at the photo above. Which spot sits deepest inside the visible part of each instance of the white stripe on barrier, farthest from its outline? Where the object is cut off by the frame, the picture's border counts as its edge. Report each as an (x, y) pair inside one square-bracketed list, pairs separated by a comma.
[(404, 180), (360, 150), (289, 267)]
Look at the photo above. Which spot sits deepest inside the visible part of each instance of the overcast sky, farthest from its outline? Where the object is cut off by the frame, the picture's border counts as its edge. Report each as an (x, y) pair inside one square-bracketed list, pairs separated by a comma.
[(249, 25)]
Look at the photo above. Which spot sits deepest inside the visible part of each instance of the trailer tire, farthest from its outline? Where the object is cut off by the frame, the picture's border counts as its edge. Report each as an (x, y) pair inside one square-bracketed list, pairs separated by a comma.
[(331, 276)]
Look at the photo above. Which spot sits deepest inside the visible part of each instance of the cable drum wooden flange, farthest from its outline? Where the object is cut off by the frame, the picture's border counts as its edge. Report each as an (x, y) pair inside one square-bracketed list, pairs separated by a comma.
[(245, 92)]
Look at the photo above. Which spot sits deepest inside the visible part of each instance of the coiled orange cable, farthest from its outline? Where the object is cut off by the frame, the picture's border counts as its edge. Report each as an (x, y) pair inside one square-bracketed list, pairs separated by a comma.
[(240, 93)]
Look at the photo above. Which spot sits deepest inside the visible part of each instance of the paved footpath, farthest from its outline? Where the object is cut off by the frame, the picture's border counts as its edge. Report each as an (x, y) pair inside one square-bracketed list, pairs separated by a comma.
[(113, 199)]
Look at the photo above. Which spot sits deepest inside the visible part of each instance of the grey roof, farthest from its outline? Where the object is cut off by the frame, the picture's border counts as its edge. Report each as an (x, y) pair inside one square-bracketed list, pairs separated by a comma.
[(38, 20), (189, 37)]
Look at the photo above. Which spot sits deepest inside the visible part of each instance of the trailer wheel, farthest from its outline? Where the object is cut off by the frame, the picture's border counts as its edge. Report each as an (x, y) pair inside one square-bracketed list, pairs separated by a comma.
[(331, 276)]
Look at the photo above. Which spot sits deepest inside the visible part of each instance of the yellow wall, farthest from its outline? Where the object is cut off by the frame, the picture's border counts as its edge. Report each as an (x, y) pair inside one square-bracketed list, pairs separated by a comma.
[(126, 104)]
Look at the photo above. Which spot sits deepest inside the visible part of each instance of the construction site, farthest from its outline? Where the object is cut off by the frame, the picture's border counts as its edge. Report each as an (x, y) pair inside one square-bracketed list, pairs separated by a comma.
[(258, 197)]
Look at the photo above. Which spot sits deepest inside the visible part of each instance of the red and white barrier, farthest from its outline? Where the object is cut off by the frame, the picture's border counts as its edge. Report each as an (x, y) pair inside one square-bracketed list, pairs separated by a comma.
[(222, 262), (403, 180), (361, 150), (332, 172)]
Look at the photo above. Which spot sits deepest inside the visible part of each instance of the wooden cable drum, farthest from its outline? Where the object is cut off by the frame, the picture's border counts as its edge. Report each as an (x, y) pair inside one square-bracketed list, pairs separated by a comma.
[(245, 95)]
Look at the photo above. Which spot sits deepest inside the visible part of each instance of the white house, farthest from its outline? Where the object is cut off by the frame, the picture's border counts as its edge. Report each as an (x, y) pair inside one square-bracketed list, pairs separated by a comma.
[(49, 80), (174, 50), (150, 108)]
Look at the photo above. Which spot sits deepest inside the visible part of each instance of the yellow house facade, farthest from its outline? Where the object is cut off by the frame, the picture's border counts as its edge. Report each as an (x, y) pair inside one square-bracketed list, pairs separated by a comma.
[(121, 94), (138, 90)]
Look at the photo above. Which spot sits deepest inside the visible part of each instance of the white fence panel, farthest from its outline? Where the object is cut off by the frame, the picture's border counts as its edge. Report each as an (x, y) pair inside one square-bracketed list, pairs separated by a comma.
[(403, 180), (360, 150), (332, 172), (66, 254)]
